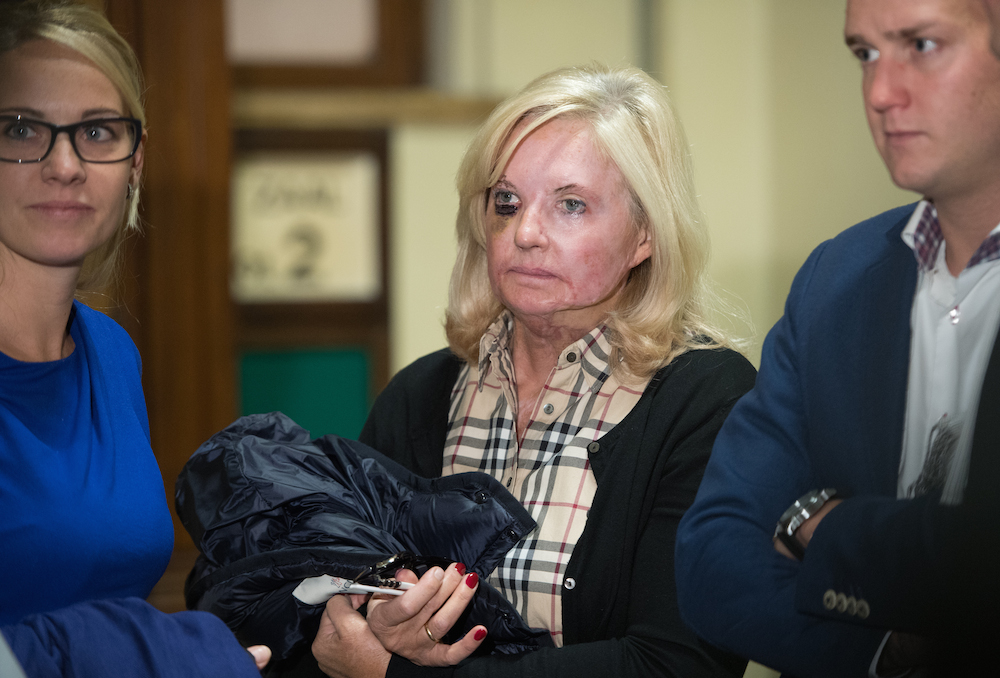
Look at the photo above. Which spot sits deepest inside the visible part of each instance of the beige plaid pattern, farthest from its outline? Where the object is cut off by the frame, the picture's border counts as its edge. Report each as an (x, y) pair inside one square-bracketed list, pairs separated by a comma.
[(549, 471)]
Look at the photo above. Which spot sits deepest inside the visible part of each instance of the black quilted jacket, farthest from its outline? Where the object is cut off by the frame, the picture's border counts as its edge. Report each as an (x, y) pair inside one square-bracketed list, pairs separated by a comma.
[(268, 507)]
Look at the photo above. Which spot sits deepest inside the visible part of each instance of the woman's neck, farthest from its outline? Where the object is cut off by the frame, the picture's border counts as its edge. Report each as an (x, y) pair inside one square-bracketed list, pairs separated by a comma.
[(35, 304), (535, 351)]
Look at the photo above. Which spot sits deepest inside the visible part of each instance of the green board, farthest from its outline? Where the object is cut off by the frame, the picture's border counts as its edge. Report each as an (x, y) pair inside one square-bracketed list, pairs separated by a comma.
[(323, 390)]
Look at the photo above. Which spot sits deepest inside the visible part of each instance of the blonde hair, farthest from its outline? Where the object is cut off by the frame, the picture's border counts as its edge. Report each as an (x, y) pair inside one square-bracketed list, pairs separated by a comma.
[(660, 313), (85, 30)]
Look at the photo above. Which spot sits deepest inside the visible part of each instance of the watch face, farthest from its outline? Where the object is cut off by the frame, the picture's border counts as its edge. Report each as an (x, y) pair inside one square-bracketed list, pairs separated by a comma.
[(804, 507)]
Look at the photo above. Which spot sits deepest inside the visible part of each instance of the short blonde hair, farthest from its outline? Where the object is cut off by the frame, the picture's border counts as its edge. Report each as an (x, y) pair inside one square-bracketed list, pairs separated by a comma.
[(85, 30), (660, 314)]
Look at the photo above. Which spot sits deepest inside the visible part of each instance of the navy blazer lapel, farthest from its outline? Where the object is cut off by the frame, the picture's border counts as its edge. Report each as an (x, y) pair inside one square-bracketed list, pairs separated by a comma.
[(886, 356)]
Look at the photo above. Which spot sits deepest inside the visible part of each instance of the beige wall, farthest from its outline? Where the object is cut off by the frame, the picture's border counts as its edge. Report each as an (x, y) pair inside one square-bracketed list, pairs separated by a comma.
[(494, 47), (423, 160), (771, 100), (713, 57)]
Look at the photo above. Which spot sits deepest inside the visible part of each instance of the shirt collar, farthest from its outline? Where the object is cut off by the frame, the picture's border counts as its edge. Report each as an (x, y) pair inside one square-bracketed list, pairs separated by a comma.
[(923, 235), (591, 352), (494, 343)]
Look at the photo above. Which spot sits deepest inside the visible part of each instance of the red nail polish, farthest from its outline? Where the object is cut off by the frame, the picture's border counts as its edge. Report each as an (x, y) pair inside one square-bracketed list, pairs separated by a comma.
[(472, 580), (480, 634), (460, 568)]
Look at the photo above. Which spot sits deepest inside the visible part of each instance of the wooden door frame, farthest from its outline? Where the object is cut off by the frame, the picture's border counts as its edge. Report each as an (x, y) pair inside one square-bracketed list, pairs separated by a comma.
[(176, 288)]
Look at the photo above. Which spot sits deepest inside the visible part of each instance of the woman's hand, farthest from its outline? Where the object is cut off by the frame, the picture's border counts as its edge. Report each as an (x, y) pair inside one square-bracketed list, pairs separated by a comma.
[(412, 625), (344, 646)]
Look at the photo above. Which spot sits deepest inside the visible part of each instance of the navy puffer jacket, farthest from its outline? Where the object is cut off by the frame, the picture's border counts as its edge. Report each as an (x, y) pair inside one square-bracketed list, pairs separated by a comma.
[(268, 507)]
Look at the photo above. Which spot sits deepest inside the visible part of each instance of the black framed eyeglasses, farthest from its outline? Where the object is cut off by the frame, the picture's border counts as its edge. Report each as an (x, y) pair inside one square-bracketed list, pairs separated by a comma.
[(98, 140)]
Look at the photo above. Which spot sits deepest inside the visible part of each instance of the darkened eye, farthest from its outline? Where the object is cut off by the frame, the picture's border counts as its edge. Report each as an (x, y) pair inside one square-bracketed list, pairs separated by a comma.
[(505, 203)]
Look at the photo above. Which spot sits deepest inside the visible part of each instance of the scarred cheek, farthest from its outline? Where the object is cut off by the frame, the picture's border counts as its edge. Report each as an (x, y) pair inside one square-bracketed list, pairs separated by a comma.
[(497, 224)]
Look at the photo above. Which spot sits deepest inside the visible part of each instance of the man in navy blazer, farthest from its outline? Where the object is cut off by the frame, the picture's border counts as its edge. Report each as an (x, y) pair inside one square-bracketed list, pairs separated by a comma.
[(847, 522)]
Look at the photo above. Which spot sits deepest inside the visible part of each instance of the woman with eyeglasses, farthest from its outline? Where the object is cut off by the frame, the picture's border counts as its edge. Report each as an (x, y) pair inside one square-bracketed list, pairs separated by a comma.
[(582, 374), (85, 531)]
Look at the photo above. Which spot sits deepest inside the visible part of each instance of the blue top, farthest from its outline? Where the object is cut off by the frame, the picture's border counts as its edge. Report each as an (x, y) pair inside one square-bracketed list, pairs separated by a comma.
[(83, 512)]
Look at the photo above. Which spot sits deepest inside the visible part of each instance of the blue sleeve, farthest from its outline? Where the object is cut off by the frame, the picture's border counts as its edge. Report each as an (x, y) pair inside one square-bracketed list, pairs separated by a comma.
[(127, 637), (734, 589)]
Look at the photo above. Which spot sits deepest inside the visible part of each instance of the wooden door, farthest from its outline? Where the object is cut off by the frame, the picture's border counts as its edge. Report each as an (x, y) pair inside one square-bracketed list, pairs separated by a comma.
[(177, 306)]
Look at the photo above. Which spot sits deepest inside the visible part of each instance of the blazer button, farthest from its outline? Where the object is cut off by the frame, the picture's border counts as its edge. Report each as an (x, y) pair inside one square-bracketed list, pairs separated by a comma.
[(830, 599), (852, 605), (841, 602), (594, 447), (569, 583), (863, 609)]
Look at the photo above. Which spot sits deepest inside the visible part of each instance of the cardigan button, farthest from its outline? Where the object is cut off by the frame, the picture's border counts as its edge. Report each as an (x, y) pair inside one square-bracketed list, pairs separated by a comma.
[(569, 583), (594, 447), (481, 497)]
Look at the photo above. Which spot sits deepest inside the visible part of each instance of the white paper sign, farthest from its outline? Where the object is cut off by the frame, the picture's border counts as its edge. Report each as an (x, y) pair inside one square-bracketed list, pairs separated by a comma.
[(306, 227)]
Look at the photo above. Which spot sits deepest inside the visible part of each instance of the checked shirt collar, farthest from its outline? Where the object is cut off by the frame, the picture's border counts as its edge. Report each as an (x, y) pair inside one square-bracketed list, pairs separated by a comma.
[(591, 352), (927, 241)]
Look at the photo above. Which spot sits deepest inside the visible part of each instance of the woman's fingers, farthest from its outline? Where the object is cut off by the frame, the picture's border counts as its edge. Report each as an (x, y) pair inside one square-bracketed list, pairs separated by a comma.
[(458, 651), (408, 576), (452, 587), (261, 655), (450, 607), (429, 653), (396, 610), (358, 599), (412, 625)]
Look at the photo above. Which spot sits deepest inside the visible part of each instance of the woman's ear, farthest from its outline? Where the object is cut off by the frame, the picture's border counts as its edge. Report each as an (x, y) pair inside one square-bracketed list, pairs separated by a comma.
[(643, 249), (135, 170)]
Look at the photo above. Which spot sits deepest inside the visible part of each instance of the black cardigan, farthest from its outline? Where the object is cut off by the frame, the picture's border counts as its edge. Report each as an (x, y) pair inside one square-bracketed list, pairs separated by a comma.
[(621, 618)]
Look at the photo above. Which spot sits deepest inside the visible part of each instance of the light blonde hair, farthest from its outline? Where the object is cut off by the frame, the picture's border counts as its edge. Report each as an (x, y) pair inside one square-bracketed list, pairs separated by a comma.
[(660, 313), (85, 30)]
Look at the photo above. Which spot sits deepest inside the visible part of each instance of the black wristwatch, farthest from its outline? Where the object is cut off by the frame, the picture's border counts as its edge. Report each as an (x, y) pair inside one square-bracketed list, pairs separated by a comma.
[(804, 508)]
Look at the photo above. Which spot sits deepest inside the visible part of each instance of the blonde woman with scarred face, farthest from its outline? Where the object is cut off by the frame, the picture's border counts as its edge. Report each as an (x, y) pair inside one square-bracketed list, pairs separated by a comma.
[(84, 523), (581, 373)]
